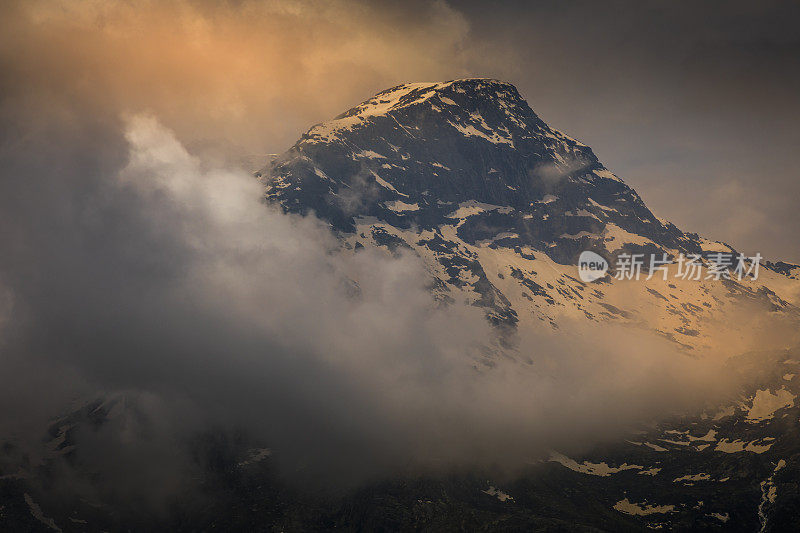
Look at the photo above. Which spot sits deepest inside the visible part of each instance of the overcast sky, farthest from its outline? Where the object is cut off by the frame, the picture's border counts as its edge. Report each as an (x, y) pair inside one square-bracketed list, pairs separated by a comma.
[(694, 104)]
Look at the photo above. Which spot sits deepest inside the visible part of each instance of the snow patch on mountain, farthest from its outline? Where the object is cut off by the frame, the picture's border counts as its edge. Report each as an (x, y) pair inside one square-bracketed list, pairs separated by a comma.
[(592, 469), (766, 404), (642, 509)]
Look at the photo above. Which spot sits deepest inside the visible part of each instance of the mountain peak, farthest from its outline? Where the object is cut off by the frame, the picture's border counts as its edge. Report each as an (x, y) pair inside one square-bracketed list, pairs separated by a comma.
[(450, 97), (499, 204), (486, 87), (413, 153)]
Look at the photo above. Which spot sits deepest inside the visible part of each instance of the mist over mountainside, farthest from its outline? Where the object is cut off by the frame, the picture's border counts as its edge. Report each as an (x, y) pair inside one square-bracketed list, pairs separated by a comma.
[(425, 346), (500, 205)]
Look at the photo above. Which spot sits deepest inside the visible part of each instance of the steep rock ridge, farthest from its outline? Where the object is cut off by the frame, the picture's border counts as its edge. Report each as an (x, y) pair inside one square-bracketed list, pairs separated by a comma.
[(413, 154), (499, 204)]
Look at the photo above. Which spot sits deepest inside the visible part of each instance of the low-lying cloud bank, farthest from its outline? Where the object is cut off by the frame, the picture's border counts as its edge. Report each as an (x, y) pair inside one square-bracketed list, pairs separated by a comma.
[(132, 266)]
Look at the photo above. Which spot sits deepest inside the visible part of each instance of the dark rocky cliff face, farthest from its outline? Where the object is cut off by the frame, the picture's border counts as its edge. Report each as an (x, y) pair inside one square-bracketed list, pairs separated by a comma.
[(413, 154)]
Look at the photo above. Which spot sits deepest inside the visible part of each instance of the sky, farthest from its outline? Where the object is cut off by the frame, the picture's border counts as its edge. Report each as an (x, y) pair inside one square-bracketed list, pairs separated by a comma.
[(693, 104), (138, 259)]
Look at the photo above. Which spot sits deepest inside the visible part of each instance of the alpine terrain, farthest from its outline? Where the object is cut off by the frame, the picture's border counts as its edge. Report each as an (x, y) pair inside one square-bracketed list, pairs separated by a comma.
[(499, 206)]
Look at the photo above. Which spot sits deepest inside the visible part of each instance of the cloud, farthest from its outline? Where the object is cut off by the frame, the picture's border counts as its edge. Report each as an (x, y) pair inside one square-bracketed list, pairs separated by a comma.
[(667, 103), (138, 259), (238, 78), (166, 279)]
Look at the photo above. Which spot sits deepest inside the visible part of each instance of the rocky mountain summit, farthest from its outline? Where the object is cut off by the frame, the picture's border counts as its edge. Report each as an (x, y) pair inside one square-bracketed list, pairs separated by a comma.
[(500, 205), (469, 153)]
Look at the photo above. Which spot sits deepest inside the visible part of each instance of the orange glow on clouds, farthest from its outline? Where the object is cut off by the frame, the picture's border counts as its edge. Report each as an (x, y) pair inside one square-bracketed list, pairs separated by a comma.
[(256, 74)]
